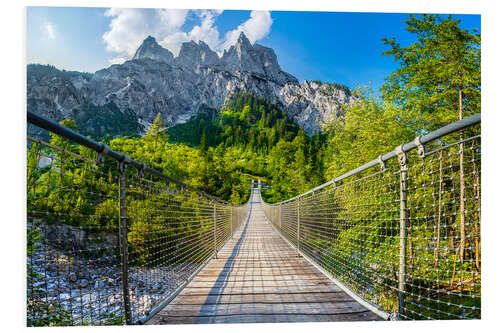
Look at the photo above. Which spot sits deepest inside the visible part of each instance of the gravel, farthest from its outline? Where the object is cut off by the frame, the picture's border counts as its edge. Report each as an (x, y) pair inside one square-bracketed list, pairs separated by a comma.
[(91, 290)]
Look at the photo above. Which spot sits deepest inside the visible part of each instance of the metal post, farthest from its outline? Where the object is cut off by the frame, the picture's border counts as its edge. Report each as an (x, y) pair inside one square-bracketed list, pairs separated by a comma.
[(298, 226), (403, 221), (231, 219), (215, 231), (123, 238), (280, 218)]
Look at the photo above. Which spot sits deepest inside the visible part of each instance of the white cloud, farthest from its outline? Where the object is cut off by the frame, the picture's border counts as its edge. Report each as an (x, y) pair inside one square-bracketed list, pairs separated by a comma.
[(205, 31), (129, 27), (51, 31), (256, 27), (171, 19), (117, 60)]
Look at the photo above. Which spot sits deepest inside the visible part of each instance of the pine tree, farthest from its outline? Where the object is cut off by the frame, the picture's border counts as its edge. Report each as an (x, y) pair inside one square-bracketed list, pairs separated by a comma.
[(203, 144), (156, 127), (439, 78), (154, 131)]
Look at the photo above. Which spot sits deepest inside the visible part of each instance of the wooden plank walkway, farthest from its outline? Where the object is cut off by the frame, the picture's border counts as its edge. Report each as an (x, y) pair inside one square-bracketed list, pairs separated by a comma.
[(258, 278)]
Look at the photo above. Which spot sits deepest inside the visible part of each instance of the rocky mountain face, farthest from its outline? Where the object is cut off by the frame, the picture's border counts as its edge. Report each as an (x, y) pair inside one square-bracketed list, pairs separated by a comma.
[(179, 87), (152, 50)]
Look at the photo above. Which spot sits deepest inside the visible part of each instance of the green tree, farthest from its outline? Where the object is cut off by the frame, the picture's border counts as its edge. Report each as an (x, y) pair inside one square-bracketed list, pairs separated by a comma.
[(203, 144), (370, 127), (154, 131), (245, 113), (156, 127), (439, 78)]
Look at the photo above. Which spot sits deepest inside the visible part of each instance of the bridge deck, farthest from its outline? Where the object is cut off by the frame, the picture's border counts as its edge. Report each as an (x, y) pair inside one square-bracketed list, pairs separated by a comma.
[(258, 278)]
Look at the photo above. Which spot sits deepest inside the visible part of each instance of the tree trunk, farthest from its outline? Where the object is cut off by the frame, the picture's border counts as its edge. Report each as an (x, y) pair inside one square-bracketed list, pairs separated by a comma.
[(154, 151), (462, 184), (477, 226)]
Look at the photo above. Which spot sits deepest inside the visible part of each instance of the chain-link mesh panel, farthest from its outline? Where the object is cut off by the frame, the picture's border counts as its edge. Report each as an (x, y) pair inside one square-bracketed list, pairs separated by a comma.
[(107, 245), (73, 259), (443, 234), (406, 238), (172, 232)]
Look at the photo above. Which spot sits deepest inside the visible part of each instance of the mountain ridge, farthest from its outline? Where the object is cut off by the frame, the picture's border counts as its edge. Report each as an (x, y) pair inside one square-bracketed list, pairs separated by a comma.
[(154, 81)]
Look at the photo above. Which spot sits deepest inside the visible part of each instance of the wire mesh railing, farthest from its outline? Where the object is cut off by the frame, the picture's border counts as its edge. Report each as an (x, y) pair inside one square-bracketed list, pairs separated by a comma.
[(110, 241), (402, 233)]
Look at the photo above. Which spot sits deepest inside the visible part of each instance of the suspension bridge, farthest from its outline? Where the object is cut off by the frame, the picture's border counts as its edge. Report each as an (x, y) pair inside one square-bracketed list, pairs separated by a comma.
[(259, 277), (113, 241)]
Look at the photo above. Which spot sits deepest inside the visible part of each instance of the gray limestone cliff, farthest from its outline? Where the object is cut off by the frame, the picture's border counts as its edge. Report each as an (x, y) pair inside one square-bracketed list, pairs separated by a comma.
[(155, 81)]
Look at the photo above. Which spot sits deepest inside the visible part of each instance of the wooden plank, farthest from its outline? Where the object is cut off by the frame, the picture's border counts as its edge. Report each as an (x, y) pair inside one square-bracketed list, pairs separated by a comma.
[(262, 298), (260, 283), (259, 278), (208, 278), (259, 318), (188, 310), (258, 271), (270, 291)]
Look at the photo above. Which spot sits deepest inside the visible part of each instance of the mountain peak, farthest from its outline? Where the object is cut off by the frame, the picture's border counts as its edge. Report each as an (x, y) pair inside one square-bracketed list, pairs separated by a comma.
[(152, 50), (203, 44), (244, 57), (243, 41), (194, 54)]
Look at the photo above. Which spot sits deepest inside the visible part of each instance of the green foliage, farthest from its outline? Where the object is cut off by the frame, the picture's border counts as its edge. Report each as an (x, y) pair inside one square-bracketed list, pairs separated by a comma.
[(156, 127), (369, 128), (337, 86), (439, 74), (438, 82), (191, 132)]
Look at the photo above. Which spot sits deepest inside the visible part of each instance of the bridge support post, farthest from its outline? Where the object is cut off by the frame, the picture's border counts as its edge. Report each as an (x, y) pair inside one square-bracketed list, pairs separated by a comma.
[(123, 239), (280, 207), (231, 219), (215, 230), (298, 227), (403, 222)]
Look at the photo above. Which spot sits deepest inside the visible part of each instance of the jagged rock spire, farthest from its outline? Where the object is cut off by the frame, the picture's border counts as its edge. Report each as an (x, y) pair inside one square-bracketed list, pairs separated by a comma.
[(197, 54), (152, 50), (244, 57), (243, 41)]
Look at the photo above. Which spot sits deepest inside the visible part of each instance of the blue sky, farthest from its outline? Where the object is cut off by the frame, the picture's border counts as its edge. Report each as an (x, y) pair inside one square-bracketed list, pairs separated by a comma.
[(328, 46)]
